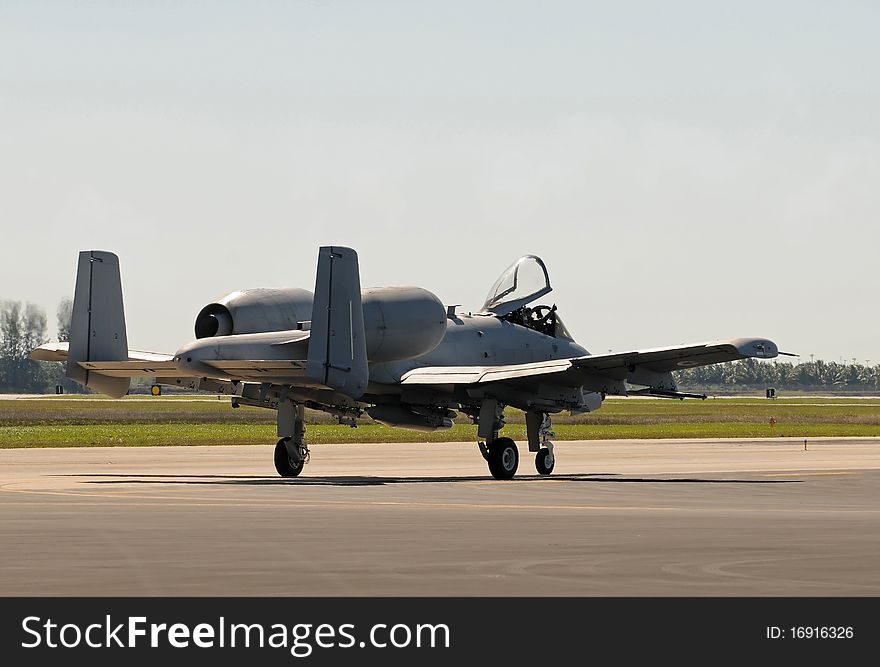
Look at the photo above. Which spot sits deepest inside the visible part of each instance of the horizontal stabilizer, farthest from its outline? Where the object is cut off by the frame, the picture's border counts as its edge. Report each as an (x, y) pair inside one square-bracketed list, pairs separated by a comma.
[(50, 352), (132, 369), (138, 363), (264, 370), (262, 364), (295, 337)]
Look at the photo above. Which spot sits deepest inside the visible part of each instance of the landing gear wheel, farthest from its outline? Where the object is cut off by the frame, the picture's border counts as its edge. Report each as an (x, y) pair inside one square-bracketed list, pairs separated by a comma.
[(544, 461), (284, 464), (503, 458)]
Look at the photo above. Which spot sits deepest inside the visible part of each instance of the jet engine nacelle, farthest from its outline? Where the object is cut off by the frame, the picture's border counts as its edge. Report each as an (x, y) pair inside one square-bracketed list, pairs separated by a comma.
[(399, 322), (255, 311)]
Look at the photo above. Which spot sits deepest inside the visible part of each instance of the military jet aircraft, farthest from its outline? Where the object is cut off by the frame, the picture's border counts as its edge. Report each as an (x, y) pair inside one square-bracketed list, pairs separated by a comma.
[(396, 354)]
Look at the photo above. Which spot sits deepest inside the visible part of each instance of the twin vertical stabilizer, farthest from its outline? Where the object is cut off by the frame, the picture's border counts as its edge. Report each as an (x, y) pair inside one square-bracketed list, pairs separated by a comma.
[(337, 353), (97, 328), (337, 345)]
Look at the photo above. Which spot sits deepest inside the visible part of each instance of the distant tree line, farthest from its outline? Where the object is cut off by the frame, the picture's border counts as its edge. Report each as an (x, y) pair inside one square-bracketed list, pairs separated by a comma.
[(22, 328), (813, 375)]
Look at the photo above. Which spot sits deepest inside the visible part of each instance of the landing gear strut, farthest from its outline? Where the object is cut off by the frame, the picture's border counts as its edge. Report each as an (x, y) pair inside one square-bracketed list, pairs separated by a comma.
[(291, 452), (500, 453), (538, 426)]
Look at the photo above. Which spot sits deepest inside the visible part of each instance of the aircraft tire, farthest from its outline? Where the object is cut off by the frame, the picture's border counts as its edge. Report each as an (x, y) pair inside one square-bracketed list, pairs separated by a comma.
[(541, 461), (503, 458), (285, 465)]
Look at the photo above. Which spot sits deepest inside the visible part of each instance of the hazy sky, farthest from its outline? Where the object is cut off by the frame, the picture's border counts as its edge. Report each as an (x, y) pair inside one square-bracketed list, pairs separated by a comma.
[(687, 170)]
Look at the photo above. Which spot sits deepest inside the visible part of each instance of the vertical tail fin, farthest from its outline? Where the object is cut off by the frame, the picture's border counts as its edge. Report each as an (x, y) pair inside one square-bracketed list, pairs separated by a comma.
[(337, 345), (97, 328)]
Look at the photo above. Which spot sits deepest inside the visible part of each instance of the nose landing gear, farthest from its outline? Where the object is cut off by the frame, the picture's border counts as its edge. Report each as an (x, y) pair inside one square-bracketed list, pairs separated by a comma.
[(539, 428), (544, 459)]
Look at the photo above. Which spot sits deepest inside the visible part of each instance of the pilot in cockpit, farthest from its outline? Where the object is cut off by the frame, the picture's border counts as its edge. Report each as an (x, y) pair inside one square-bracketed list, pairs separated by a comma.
[(522, 283)]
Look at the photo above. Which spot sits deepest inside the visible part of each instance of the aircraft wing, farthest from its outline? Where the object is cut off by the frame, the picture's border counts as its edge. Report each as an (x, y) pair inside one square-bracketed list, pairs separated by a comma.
[(479, 374), (664, 359), (651, 367)]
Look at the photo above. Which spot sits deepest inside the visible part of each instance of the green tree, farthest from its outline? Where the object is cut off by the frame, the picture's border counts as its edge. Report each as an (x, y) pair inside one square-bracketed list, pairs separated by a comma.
[(55, 370), (21, 330), (753, 374), (64, 315)]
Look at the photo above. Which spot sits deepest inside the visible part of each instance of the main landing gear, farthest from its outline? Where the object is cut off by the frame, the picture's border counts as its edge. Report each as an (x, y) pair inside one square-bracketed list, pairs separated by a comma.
[(501, 453), (503, 458), (285, 464), (291, 452)]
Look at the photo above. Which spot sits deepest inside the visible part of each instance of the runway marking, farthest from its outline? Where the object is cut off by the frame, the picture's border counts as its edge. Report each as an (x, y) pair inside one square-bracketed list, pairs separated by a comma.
[(162, 501), (240, 502), (806, 474), (647, 477)]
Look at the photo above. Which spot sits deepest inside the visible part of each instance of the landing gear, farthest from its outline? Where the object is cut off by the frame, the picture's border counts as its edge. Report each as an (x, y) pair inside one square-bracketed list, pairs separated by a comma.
[(503, 458), (500, 453), (285, 464), (538, 426), (544, 461), (291, 452)]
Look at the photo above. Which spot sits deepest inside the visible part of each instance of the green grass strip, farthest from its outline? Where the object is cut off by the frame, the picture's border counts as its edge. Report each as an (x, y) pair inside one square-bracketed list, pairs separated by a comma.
[(134, 435)]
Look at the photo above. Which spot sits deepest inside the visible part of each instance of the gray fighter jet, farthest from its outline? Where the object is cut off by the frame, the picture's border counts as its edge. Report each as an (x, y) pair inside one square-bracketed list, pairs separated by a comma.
[(396, 354)]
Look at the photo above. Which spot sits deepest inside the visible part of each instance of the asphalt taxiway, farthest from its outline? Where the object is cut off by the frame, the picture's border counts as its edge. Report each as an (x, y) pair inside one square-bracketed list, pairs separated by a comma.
[(710, 517)]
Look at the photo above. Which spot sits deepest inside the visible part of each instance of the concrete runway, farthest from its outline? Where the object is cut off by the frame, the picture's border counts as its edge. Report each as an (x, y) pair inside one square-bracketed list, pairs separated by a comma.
[(709, 518)]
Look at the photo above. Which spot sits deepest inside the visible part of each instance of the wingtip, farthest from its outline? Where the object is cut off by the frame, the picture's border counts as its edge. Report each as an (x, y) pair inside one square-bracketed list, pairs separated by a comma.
[(757, 348)]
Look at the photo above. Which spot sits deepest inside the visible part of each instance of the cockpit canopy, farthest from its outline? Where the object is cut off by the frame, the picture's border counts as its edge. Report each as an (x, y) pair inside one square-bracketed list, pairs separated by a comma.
[(523, 282)]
